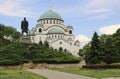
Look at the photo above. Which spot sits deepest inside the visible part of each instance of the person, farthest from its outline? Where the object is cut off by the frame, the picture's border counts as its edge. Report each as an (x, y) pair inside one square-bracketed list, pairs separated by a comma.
[(24, 26)]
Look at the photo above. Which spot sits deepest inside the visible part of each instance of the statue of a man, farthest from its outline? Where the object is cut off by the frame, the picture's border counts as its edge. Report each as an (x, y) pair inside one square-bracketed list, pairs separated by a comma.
[(24, 26)]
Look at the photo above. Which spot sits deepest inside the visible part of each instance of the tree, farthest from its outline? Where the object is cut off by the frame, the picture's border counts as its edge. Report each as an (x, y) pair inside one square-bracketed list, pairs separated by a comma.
[(46, 44), (116, 40), (110, 54), (94, 55), (41, 43), (8, 33), (85, 50)]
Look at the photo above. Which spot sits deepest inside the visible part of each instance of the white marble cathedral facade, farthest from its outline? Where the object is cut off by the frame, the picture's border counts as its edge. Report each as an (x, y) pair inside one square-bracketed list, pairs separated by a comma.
[(50, 27)]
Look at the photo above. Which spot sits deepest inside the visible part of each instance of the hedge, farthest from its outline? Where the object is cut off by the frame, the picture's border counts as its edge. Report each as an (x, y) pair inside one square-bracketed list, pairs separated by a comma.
[(101, 66)]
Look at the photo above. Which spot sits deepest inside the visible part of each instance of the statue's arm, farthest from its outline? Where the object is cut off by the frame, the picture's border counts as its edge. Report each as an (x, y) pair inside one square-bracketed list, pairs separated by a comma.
[(27, 24)]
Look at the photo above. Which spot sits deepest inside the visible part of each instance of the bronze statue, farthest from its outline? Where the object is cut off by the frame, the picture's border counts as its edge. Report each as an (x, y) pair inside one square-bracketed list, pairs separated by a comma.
[(24, 26)]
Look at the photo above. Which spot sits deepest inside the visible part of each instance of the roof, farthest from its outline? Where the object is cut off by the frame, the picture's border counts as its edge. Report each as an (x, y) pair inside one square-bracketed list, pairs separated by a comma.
[(50, 15), (69, 26), (55, 31)]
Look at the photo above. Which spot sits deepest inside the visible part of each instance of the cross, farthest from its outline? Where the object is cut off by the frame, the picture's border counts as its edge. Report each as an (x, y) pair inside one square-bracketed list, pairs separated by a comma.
[(50, 7)]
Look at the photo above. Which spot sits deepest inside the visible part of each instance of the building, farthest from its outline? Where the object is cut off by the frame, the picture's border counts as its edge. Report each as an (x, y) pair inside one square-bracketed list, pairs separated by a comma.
[(50, 27)]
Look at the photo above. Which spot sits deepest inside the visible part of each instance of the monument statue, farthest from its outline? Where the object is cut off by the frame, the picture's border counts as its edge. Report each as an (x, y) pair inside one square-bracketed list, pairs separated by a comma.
[(24, 26)]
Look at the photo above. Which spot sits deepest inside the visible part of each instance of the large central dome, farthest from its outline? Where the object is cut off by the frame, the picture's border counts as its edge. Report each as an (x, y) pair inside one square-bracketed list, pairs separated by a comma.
[(50, 15)]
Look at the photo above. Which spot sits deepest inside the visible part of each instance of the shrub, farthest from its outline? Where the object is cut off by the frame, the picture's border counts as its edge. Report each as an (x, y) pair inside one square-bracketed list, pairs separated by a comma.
[(102, 66)]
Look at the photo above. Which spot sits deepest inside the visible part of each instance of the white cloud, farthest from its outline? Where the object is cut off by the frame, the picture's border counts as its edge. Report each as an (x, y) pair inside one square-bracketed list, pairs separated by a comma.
[(83, 40), (14, 8), (95, 9), (109, 29), (102, 16), (102, 10)]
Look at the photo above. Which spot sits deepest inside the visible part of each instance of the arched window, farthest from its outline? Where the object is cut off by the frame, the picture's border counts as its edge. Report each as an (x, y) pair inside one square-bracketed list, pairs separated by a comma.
[(55, 36), (60, 43), (40, 30), (65, 50), (47, 21), (70, 32), (60, 49)]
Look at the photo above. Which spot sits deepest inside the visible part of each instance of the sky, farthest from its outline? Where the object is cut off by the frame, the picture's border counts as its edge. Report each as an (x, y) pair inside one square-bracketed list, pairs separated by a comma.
[(86, 16)]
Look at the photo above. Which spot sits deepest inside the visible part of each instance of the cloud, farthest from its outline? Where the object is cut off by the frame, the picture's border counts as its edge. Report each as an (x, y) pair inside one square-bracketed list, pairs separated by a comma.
[(109, 29), (102, 16), (15, 8), (83, 40), (94, 9), (101, 9)]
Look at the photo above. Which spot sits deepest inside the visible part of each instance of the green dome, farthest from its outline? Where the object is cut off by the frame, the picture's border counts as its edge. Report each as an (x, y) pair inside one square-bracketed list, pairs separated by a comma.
[(69, 26), (55, 31), (50, 14)]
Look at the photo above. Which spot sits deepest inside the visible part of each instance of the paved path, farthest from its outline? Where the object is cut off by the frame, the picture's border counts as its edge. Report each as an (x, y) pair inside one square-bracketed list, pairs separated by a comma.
[(50, 74)]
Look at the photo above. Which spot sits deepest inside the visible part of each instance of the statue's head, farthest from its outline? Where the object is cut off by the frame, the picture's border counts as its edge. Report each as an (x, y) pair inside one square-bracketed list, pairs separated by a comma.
[(24, 18)]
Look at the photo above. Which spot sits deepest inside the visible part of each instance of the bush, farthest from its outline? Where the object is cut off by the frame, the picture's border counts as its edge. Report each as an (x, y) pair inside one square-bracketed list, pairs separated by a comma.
[(13, 54), (18, 53), (40, 54), (102, 66)]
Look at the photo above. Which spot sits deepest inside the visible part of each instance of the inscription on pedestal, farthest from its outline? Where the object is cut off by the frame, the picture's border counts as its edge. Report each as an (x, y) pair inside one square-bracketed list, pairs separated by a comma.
[(25, 39)]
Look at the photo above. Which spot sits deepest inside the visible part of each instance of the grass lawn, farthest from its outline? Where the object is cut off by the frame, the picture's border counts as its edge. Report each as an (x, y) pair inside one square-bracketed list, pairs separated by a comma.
[(99, 73), (19, 74)]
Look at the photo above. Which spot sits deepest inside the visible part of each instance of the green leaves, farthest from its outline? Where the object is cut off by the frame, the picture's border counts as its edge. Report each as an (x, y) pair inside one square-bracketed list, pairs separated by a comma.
[(93, 57), (105, 49)]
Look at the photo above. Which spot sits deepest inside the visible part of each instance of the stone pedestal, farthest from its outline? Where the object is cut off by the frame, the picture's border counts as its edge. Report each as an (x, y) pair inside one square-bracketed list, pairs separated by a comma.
[(25, 39)]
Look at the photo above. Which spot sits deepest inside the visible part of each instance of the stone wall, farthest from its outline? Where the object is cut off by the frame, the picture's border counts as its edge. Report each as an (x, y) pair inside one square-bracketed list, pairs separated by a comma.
[(42, 65), (10, 67)]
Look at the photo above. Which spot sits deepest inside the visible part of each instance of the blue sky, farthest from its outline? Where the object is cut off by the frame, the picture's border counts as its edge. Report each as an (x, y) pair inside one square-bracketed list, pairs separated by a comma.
[(86, 16)]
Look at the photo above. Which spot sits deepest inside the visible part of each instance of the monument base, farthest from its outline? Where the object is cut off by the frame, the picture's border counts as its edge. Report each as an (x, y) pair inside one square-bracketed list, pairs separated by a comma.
[(25, 39)]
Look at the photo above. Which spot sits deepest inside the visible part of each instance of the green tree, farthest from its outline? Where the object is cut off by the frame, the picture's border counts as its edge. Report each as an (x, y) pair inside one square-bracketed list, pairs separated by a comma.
[(94, 55), (110, 54), (116, 38), (84, 51), (8, 31), (41, 43), (46, 44)]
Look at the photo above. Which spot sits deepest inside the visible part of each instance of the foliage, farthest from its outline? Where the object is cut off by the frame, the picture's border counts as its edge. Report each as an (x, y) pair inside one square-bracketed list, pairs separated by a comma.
[(7, 32), (110, 54), (46, 44), (41, 54), (94, 55), (13, 54), (99, 66), (103, 49), (84, 51), (17, 53), (40, 43)]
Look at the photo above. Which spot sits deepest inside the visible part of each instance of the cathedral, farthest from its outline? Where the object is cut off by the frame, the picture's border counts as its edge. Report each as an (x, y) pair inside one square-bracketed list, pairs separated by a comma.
[(50, 27)]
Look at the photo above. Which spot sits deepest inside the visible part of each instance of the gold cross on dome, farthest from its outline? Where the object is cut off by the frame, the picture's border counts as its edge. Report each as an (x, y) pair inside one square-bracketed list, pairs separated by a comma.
[(50, 7)]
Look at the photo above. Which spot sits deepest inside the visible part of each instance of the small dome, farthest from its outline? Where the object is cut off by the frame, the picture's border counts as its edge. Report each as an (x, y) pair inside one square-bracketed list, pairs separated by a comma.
[(55, 31), (69, 26), (50, 15)]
